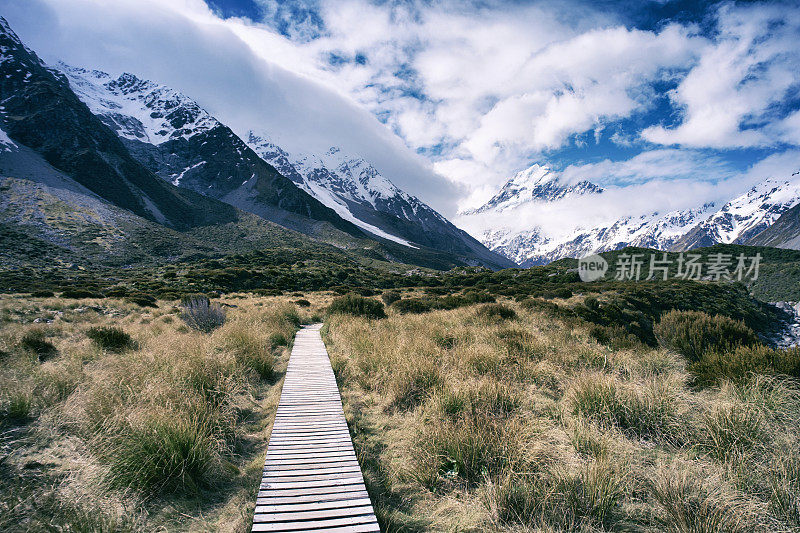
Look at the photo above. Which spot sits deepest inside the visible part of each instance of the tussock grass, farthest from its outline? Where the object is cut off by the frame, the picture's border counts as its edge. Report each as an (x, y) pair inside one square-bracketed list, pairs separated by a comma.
[(159, 426), (532, 423), (110, 338)]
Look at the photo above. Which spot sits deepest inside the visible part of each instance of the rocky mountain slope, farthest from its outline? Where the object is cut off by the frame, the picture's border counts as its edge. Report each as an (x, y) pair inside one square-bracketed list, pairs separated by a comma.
[(737, 221), (359, 193), (783, 233), (40, 112), (181, 142)]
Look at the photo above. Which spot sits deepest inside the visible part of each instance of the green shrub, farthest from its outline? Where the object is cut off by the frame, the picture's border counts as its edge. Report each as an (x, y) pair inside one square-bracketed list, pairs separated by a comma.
[(390, 297), (738, 364), (496, 312), (537, 304), (42, 294), (303, 302), (142, 300), (112, 339), (200, 314), (353, 304), (35, 341), (80, 293), (413, 306), (692, 333)]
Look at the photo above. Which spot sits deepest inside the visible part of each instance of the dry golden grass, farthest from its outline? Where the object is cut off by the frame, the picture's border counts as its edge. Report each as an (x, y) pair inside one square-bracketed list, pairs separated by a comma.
[(468, 421), (165, 432)]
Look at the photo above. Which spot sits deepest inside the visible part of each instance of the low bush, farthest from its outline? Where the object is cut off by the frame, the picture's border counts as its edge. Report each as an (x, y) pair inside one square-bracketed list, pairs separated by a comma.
[(142, 300), (355, 305), (692, 333), (35, 341), (413, 306), (112, 339), (390, 297), (743, 361), (81, 293), (200, 314), (303, 302), (42, 294)]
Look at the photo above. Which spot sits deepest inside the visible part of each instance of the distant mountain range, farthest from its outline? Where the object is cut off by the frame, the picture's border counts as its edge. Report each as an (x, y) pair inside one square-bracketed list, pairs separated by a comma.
[(738, 221), (150, 155), (119, 169)]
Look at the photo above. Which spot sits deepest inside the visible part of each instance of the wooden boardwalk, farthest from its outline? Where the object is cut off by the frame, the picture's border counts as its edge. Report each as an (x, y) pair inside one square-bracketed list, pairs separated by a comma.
[(312, 481)]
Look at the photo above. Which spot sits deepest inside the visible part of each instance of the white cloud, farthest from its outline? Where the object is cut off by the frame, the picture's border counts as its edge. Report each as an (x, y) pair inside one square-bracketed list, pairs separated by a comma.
[(727, 97), (492, 89), (232, 68)]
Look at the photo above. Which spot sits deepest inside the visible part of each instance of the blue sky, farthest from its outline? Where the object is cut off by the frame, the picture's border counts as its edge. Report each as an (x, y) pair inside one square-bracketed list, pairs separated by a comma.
[(450, 99), (643, 96)]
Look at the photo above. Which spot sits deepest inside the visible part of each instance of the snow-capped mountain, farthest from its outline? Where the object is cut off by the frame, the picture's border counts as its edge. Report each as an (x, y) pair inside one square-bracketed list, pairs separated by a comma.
[(746, 216), (500, 223), (534, 184), (359, 193), (181, 142)]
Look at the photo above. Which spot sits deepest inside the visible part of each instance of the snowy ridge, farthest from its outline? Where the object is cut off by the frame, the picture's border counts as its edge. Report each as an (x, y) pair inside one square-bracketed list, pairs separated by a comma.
[(138, 109), (344, 182), (747, 215), (538, 188)]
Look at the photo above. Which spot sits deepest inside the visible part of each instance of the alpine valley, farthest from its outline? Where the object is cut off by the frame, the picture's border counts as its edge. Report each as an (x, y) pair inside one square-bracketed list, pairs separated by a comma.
[(121, 156), (117, 170)]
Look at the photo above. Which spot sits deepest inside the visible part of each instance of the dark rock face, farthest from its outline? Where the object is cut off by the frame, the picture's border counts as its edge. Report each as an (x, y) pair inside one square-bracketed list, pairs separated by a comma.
[(41, 112)]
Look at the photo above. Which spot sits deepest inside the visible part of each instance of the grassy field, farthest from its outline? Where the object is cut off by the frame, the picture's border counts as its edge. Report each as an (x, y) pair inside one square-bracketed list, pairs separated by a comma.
[(116, 417), (508, 417), (514, 401)]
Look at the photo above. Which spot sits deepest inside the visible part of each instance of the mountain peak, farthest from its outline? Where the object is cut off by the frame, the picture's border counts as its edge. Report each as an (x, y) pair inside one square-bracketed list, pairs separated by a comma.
[(536, 183)]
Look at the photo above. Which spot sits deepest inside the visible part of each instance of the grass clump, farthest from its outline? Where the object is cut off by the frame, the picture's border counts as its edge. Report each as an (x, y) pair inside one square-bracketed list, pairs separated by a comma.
[(645, 411), (691, 505), (142, 300), (496, 312), (355, 305), (742, 362), (566, 499), (390, 297), (35, 341), (113, 339), (200, 314), (693, 333)]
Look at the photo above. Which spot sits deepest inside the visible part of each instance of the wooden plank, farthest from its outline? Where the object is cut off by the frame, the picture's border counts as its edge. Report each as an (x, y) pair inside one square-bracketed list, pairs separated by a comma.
[(312, 480), (308, 525), (299, 506)]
